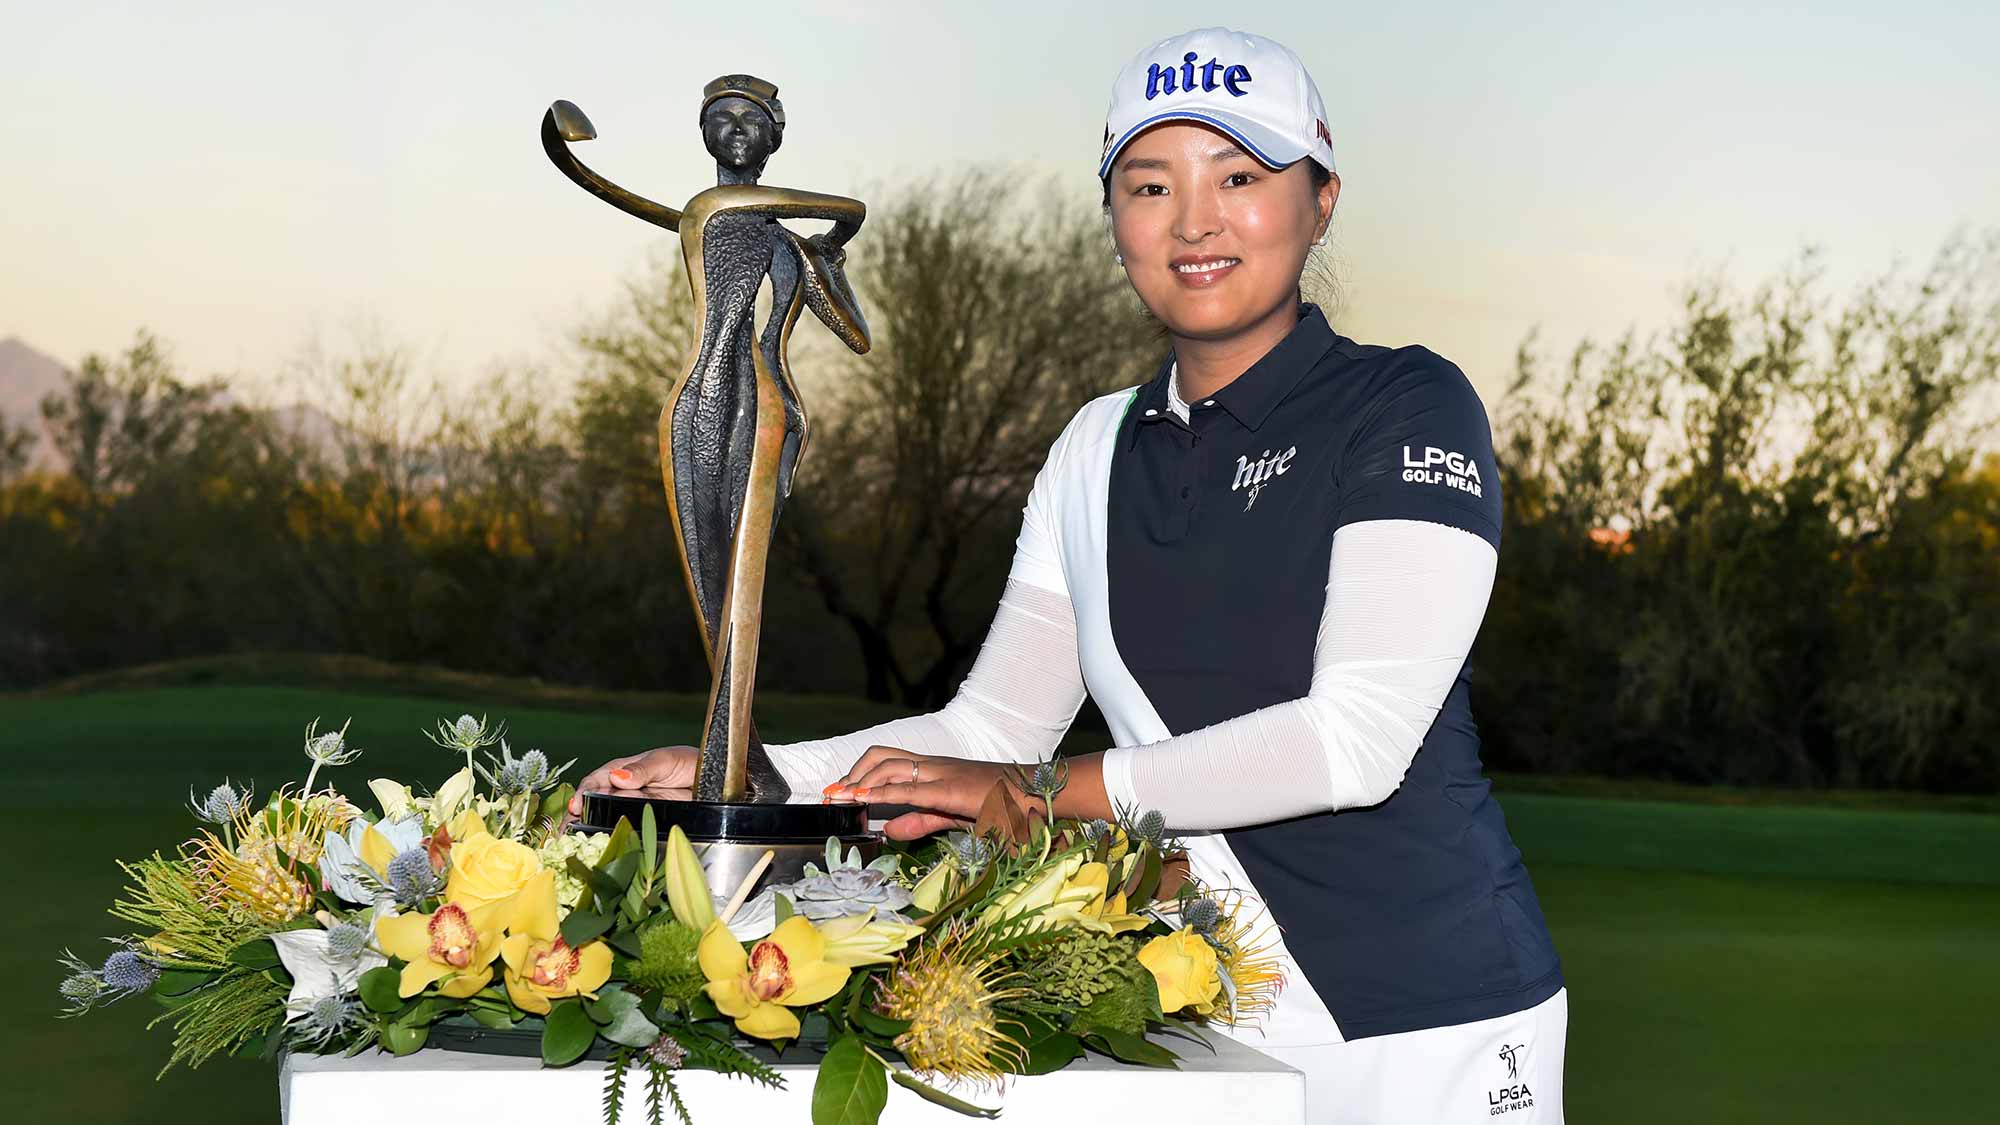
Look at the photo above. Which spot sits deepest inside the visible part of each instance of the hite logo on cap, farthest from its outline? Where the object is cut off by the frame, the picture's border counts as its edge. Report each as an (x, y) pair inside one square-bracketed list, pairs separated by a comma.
[(1161, 79)]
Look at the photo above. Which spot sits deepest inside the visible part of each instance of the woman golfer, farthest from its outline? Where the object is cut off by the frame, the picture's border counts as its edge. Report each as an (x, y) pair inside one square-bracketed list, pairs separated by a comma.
[(1267, 566)]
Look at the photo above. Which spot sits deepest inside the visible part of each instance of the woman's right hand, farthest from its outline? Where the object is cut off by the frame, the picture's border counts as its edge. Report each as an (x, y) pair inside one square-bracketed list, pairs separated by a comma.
[(664, 767)]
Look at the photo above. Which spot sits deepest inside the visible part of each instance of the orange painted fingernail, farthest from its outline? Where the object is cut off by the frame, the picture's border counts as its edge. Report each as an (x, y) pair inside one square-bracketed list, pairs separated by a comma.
[(826, 800), (863, 792), (621, 775), (829, 790)]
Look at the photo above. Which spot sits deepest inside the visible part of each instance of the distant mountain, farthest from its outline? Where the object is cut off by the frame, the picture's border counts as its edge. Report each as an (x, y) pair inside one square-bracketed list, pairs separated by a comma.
[(26, 375)]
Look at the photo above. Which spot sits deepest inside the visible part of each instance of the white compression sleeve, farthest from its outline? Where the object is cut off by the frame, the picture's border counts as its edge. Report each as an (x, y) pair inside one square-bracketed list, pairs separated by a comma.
[(1404, 599), (1022, 693)]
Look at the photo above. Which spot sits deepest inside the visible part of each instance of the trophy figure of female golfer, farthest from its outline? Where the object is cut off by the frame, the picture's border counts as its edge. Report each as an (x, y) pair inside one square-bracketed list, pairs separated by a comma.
[(733, 429)]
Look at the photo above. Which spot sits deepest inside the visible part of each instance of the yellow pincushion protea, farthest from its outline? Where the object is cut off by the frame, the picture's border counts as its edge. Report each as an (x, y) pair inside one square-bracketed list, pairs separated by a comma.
[(949, 989), (260, 872), (1248, 951)]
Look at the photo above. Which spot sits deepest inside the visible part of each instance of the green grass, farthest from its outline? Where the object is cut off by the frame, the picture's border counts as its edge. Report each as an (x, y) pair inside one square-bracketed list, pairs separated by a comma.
[(1752, 962)]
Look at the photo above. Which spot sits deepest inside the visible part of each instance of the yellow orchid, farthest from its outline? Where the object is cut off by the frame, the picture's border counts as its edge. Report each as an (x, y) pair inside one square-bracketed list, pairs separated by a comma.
[(461, 940), (759, 989), (1184, 967), (858, 939), (541, 966), (1067, 893), (454, 945)]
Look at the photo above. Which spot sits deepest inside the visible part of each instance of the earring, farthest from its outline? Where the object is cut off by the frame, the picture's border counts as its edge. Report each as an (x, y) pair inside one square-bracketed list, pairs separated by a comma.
[(1119, 258)]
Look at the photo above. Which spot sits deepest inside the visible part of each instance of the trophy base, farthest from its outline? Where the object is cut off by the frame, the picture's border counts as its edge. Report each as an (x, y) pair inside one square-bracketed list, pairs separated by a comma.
[(731, 837)]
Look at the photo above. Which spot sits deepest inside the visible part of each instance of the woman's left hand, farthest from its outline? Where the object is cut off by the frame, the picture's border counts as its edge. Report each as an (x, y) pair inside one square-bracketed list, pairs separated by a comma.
[(949, 790)]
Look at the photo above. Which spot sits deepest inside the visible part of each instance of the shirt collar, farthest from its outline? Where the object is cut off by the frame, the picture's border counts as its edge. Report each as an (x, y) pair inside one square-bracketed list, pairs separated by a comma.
[(1252, 396)]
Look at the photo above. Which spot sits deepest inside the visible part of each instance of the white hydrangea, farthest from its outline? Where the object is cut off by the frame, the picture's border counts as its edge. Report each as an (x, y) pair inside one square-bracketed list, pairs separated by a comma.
[(586, 847)]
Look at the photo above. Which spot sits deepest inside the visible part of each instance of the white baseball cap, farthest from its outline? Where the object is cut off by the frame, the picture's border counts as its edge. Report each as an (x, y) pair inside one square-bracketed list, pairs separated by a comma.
[(1252, 88)]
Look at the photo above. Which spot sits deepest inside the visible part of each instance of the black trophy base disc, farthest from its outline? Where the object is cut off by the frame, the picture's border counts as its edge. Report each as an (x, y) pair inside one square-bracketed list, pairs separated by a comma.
[(744, 821)]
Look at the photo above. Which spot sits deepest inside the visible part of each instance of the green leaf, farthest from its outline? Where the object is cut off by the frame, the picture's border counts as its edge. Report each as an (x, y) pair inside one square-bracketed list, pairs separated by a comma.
[(852, 1087), (1127, 1047), (592, 878), (936, 1096), (556, 802), (257, 953), (611, 1000), (621, 870), (380, 989), (420, 1011), (629, 1027), (782, 906), (649, 844), (1148, 882), (1051, 1053), (567, 1034), (180, 982), (876, 1023), (491, 1017), (623, 841), (404, 1039), (703, 1008), (583, 925)]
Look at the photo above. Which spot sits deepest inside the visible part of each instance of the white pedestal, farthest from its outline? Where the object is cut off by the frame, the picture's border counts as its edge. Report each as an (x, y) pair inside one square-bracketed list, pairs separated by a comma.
[(1235, 1084)]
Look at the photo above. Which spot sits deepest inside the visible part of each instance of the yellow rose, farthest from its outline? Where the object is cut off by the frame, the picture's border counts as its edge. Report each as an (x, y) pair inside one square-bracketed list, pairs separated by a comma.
[(1183, 965), (487, 871)]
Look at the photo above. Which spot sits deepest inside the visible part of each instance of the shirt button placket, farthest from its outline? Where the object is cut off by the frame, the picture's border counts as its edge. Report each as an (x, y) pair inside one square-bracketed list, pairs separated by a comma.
[(1191, 474)]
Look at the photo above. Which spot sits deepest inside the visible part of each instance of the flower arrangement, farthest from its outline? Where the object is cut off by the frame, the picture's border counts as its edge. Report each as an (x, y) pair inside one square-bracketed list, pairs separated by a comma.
[(302, 921)]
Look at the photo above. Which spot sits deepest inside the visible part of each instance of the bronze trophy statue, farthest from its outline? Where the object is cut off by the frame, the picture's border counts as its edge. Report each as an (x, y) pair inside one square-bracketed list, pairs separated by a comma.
[(733, 428)]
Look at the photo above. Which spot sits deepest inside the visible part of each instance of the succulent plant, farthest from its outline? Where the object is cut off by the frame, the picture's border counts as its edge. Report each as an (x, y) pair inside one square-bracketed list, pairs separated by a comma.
[(844, 891), (846, 886)]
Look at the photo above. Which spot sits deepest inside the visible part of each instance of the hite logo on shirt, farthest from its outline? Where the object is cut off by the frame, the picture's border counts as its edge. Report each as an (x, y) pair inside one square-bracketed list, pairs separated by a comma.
[(1440, 466), (1259, 472)]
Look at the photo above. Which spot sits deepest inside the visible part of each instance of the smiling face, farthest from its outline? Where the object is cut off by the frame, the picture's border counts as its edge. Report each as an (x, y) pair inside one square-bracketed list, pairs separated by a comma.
[(738, 133), (1213, 240)]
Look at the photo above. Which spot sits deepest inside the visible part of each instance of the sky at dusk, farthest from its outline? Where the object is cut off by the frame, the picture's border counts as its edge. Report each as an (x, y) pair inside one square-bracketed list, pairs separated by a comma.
[(242, 178)]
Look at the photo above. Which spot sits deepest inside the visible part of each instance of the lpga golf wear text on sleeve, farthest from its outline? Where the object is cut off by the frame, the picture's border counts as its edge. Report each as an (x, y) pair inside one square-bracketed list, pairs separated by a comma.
[(1415, 912)]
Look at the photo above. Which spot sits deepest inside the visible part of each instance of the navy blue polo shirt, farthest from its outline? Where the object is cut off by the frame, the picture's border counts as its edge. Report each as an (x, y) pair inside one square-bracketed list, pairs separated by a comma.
[(1413, 913)]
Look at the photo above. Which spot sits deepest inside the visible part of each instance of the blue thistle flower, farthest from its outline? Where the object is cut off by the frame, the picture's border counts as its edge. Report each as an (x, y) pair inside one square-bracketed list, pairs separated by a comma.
[(1202, 915), (412, 879), (223, 803), (346, 940), (324, 1019), (125, 972), (972, 853)]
